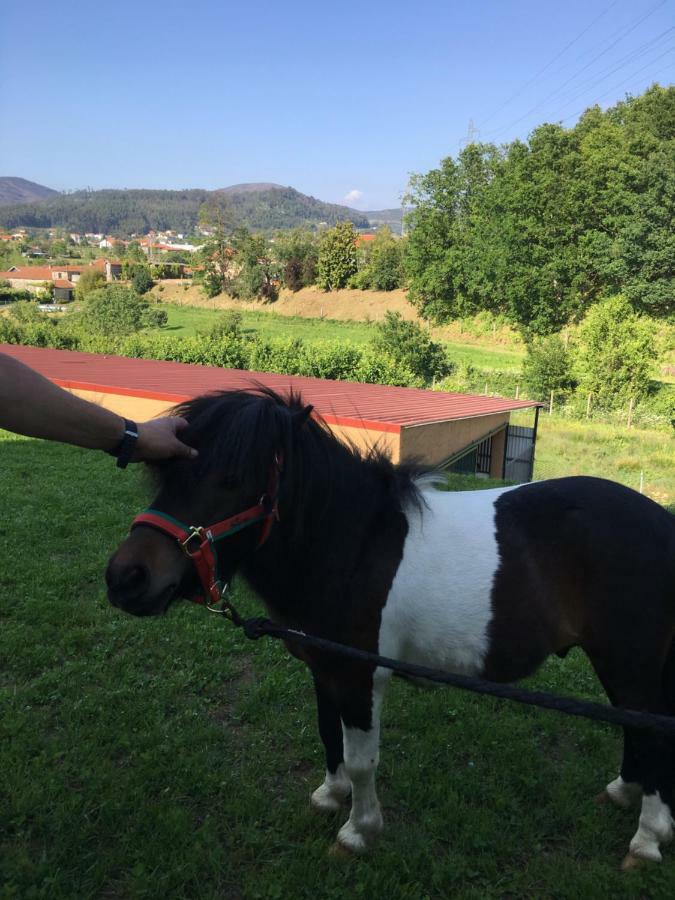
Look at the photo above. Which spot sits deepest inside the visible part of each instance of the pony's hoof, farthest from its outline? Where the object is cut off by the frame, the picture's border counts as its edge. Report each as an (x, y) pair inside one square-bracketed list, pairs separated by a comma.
[(602, 799), (340, 852), (326, 801), (359, 842), (631, 861)]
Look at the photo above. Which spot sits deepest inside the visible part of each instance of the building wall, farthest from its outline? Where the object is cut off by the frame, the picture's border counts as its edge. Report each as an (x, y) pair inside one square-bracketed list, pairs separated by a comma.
[(433, 443)]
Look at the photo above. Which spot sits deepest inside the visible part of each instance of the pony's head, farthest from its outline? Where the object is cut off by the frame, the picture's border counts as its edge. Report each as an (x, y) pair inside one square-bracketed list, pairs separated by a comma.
[(241, 436)]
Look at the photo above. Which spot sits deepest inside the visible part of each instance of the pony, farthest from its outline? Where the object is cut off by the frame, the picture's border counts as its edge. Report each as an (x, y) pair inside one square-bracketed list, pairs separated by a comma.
[(355, 549)]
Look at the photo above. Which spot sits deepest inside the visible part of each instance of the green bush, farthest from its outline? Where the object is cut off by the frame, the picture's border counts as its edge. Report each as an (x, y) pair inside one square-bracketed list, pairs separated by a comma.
[(141, 280), (408, 346), (547, 368), (614, 354)]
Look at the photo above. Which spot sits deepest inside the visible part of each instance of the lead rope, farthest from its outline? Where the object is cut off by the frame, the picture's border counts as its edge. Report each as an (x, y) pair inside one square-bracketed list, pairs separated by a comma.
[(255, 628)]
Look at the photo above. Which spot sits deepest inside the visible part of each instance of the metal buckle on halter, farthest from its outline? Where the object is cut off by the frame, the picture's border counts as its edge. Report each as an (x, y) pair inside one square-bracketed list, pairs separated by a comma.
[(195, 532), (224, 608)]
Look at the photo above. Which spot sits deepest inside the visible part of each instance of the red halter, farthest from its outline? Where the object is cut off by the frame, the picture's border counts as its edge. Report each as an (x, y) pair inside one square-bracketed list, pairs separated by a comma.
[(197, 541)]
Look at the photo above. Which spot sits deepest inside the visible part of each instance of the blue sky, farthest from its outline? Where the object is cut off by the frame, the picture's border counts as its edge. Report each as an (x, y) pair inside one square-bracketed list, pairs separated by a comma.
[(340, 100)]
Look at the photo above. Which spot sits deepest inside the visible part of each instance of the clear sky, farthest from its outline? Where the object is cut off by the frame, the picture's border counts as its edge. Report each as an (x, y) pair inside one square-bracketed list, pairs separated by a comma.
[(339, 99)]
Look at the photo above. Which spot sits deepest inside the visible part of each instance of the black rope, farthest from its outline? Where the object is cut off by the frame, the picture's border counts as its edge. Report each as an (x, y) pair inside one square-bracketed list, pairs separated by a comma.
[(599, 712)]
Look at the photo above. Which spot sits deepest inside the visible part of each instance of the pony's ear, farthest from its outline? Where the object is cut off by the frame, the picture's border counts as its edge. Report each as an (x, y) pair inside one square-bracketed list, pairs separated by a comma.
[(300, 417)]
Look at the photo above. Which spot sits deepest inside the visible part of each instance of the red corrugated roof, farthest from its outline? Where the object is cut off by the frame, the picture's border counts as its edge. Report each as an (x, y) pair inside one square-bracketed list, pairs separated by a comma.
[(341, 402)]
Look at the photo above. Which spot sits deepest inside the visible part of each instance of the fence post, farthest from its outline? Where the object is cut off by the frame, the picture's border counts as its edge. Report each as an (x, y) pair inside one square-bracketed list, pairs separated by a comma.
[(630, 414), (642, 480), (588, 406), (550, 405), (517, 390)]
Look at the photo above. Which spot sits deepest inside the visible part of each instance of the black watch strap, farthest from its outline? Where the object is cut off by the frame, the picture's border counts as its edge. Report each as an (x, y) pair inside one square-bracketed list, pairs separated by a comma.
[(125, 449)]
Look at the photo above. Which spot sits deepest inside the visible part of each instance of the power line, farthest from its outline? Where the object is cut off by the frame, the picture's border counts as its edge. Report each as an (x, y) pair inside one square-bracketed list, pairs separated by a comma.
[(592, 83), (616, 87), (548, 65), (549, 96)]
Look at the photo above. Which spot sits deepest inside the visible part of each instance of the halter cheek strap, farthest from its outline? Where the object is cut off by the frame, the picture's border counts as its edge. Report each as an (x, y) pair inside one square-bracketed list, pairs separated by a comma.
[(198, 542)]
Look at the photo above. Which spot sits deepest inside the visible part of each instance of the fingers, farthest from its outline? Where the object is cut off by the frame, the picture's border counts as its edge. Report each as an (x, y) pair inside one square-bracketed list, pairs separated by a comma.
[(158, 439)]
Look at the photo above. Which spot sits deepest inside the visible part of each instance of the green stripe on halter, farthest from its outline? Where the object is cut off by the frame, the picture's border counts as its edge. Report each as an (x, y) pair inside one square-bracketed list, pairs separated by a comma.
[(162, 515)]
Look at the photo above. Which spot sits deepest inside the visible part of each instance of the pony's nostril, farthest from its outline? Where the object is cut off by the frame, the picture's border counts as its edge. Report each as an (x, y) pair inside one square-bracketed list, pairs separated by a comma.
[(134, 578), (130, 580)]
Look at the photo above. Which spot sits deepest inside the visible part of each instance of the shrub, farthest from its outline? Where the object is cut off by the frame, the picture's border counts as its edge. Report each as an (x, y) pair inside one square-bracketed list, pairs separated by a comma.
[(614, 354), (141, 280), (410, 347), (547, 367)]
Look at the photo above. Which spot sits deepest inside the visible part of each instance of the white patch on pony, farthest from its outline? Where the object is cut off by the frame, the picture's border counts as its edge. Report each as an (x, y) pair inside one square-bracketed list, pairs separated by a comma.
[(656, 827), (439, 607), (362, 754), (333, 792), (623, 793)]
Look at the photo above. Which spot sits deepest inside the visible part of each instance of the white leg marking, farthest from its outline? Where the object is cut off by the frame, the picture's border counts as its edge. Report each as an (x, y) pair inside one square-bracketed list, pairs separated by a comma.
[(333, 792), (656, 827), (623, 793), (362, 754)]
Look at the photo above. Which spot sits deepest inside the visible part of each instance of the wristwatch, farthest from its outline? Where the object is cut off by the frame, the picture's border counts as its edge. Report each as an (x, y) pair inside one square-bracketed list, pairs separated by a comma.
[(125, 449)]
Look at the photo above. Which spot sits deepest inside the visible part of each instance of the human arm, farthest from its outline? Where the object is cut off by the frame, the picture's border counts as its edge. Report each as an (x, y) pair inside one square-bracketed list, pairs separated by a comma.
[(32, 405)]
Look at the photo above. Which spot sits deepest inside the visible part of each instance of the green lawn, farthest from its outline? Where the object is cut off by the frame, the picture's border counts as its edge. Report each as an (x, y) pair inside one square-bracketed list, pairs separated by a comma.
[(171, 758)]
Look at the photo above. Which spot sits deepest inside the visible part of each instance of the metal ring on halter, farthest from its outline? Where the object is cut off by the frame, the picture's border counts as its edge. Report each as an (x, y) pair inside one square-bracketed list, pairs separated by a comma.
[(225, 608)]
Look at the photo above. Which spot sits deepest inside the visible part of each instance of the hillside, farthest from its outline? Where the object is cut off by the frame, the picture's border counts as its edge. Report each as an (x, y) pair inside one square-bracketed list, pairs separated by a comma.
[(19, 190), (258, 207)]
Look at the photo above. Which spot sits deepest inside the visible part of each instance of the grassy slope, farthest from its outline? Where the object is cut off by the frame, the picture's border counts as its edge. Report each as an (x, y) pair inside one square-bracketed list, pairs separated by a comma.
[(170, 758)]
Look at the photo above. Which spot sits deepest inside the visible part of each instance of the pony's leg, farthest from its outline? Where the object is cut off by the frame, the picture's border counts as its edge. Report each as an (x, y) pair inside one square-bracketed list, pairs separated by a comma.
[(637, 683), (362, 754), (336, 786), (625, 790), (654, 759)]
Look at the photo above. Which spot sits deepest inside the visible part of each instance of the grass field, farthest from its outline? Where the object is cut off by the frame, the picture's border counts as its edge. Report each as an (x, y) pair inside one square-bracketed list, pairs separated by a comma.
[(171, 758), (188, 320)]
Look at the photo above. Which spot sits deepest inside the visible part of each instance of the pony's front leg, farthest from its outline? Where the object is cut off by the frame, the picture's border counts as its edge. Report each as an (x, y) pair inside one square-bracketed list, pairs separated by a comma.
[(361, 732), (336, 787)]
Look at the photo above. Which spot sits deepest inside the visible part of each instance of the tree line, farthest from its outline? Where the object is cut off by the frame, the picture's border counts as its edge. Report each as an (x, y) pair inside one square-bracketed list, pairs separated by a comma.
[(540, 230), (126, 212)]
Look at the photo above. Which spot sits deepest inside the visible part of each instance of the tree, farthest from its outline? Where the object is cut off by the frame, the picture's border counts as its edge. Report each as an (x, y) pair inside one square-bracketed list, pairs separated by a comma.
[(547, 367), (256, 272), (337, 257), (380, 263), (614, 354), (297, 253), (90, 280), (408, 346), (114, 311), (540, 231), (217, 258), (141, 280)]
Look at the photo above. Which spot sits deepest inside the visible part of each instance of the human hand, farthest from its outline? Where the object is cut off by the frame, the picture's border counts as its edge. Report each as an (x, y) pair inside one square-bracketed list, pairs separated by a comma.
[(158, 439)]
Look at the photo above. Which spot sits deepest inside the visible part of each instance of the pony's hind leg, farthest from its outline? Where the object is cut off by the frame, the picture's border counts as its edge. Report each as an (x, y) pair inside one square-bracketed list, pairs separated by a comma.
[(647, 762), (336, 786)]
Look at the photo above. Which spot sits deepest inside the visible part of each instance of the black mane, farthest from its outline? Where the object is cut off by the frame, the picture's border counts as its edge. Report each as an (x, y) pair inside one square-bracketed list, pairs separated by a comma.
[(239, 432)]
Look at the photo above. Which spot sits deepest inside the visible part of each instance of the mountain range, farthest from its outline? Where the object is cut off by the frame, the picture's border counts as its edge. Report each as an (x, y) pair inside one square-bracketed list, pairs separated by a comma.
[(260, 206)]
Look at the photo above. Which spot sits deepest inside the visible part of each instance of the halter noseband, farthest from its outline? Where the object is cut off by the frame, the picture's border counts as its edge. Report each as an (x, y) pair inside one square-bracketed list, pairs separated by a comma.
[(197, 541)]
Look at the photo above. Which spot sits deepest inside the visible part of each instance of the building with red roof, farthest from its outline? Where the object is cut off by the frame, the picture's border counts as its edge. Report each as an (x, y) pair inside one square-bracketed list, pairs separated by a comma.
[(467, 432)]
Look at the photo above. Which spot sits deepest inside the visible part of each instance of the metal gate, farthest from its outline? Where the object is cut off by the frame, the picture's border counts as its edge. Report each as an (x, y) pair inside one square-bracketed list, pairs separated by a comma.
[(519, 458)]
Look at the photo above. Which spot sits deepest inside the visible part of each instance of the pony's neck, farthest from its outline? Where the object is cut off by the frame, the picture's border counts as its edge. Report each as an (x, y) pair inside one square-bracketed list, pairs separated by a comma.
[(326, 537)]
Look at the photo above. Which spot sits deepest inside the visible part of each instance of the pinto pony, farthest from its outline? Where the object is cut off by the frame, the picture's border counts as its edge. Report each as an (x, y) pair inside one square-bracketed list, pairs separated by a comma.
[(358, 550)]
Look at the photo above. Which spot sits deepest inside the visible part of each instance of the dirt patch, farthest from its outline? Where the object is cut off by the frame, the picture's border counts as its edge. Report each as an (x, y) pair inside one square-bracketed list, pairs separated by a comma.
[(310, 303)]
